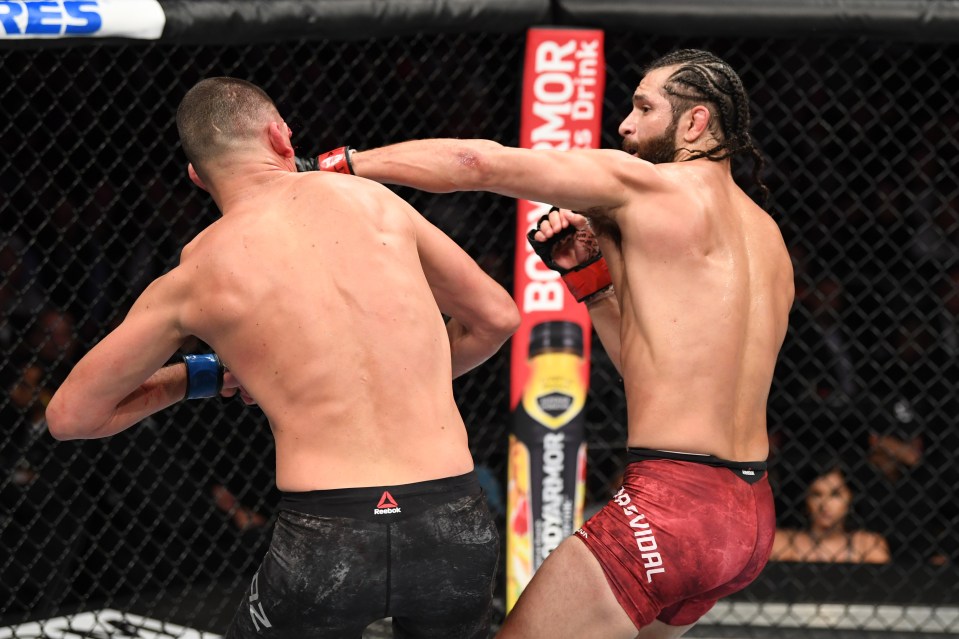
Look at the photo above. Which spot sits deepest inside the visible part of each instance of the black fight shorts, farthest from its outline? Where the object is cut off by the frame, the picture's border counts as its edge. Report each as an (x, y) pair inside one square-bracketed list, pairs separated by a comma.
[(424, 554)]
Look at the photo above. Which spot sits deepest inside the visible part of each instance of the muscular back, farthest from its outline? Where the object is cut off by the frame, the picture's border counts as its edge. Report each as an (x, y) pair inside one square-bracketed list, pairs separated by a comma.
[(313, 294), (706, 285)]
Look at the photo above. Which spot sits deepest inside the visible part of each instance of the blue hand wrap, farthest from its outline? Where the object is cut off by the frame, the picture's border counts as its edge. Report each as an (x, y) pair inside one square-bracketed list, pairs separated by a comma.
[(204, 376)]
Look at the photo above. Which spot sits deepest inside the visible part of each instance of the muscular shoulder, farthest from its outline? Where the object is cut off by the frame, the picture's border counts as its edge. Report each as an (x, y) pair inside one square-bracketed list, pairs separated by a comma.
[(199, 242), (205, 262), (643, 181), (665, 211), (682, 192), (165, 296)]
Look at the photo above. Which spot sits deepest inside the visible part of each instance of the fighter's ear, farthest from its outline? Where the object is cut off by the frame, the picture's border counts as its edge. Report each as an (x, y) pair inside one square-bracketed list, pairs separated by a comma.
[(280, 135), (697, 122), (194, 177)]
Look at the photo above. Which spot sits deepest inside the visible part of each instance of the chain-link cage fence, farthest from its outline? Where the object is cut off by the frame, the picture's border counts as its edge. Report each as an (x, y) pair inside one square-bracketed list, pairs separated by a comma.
[(169, 519)]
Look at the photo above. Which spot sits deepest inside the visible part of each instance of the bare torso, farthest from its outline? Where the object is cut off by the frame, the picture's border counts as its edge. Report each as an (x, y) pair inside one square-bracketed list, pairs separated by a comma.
[(313, 295), (705, 285)]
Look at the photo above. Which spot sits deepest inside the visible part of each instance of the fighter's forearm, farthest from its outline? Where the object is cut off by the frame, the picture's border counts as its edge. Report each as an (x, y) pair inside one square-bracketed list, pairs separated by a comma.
[(438, 165), (163, 389), (85, 418)]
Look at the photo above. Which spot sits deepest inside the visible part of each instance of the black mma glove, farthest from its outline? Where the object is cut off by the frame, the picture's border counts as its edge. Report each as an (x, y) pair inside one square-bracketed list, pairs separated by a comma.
[(583, 280), (337, 161)]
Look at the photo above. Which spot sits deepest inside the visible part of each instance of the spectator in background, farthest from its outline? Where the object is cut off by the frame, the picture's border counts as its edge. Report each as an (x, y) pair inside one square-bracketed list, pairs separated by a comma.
[(20, 295), (934, 240), (818, 344), (909, 446), (242, 517), (73, 268), (828, 538), (41, 364), (43, 507), (891, 474)]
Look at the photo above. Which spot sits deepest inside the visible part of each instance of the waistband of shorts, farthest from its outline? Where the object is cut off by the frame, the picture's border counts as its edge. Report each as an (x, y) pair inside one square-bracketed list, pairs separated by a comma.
[(645, 454), (381, 502)]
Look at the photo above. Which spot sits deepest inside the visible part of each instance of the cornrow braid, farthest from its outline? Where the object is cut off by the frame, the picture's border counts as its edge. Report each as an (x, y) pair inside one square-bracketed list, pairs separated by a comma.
[(704, 77)]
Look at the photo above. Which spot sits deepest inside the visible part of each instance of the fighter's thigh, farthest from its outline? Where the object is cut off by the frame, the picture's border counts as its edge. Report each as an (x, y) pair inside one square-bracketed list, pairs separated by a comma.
[(568, 597), (320, 577), (443, 572)]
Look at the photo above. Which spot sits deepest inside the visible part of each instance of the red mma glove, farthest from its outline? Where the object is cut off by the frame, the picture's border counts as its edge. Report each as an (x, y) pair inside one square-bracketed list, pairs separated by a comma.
[(337, 161), (583, 280)]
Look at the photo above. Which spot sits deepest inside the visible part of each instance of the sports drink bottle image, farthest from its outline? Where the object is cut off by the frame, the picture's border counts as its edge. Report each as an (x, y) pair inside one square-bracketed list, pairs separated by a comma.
[(547, 453)]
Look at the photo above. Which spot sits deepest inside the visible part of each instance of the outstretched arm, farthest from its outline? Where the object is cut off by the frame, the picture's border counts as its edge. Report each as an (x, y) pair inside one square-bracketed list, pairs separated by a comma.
[(576, 179), (483, 314)]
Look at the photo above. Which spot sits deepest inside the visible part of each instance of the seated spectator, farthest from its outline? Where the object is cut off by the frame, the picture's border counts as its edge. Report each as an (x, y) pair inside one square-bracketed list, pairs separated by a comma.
[(904, 426), (242, 517), (816, 362), (44, 506), (828, 538), (36, 368)]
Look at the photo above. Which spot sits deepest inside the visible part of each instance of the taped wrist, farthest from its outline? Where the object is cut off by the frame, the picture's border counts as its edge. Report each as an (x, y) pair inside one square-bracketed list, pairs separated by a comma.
[(337, 161), (582, 280), (204, 376), (588, 279)]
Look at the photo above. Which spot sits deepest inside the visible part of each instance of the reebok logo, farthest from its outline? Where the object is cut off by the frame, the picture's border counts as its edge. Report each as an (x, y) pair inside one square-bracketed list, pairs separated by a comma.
[(387, 505), (387, 501)]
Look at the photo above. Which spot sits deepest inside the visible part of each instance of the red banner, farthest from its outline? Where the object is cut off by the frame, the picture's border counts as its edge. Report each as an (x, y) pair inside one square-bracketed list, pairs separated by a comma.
[(563, 84)]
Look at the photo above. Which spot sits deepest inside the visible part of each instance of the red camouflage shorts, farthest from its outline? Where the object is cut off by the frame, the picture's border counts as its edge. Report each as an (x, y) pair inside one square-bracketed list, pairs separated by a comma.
[(683, 532)]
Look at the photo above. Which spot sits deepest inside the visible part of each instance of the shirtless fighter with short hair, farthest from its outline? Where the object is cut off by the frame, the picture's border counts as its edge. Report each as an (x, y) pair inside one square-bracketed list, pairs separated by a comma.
[(323, 296), (703, 288)]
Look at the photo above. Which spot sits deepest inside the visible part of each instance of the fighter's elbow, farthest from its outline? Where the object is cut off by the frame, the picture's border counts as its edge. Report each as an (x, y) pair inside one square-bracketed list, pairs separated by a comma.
[(503, 319), (60, 422), (62, 434), (476, 166), (64, 423), (511, 319)]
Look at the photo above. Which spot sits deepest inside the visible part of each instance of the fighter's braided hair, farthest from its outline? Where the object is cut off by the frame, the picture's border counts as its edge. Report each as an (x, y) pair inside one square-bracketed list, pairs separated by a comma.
[(704, 77)]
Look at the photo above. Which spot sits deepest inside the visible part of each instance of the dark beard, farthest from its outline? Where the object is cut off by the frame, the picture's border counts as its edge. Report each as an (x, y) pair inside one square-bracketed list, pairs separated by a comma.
[(657, 150)]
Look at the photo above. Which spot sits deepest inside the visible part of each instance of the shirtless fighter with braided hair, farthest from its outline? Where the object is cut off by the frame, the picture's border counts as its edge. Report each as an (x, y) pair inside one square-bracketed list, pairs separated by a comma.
[(701, 290)]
